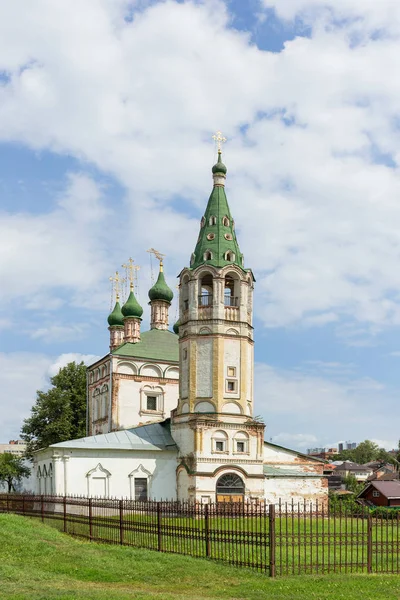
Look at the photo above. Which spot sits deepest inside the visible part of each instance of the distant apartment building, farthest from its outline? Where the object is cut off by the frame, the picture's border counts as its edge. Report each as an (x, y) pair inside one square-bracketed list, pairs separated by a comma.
[(16, 447), (347, 446)]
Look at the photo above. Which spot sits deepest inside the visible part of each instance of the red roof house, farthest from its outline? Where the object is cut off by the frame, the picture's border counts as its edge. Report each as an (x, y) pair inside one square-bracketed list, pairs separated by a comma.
[(381, 493)]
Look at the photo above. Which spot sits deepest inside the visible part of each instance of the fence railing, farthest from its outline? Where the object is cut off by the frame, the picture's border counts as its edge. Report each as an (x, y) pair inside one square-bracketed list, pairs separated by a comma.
[(279, 539)]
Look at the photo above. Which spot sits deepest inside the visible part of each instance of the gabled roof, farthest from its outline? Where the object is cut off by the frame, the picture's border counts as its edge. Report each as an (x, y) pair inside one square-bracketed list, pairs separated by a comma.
[(156, 436), (156, 344), (389, 489)]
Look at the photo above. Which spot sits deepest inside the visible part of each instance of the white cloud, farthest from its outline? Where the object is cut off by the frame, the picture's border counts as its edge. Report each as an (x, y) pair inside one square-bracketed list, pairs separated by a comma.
[(69, 357), (21, 374), (318, 219), (326, 405)]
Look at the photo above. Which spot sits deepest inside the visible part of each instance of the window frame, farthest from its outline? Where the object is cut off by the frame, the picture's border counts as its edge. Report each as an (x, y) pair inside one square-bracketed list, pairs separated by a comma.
[(228, 382)]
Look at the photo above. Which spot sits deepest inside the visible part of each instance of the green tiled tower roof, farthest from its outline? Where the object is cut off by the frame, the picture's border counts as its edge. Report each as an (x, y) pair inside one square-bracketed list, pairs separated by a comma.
[(116, 318), (217, 234), (132, 308)]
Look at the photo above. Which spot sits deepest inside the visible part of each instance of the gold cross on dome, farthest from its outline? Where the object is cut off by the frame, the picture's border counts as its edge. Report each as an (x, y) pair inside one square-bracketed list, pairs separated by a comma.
[(116, 283), (219, 139), (131, 272), (157, 254)]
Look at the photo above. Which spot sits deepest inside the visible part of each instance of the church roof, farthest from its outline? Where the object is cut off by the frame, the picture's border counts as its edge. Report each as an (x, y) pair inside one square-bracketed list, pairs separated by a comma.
[(156, 344), (156, 436)]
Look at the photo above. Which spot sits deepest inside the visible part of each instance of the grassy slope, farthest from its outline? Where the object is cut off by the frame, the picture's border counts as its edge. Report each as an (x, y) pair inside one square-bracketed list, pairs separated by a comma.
[(38, 562)]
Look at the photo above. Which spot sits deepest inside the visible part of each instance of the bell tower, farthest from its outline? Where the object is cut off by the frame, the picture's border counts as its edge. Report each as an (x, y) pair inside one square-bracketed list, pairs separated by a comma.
[(213, 423)]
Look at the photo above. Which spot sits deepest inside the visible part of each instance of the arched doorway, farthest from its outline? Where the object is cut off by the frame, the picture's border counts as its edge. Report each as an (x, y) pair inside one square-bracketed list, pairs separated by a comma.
[(230, 488)]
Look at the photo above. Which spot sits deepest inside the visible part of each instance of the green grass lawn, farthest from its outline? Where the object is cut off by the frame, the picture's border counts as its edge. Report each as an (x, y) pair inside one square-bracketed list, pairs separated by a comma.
[(37, 562), (303, 545)]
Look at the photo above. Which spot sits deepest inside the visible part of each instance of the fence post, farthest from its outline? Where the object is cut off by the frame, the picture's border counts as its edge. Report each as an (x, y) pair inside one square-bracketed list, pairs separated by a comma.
[(65, 513), (272, 539), (23, 505), (8, 505), (369, 544), (42, 507), (90, 519), (159, 532), (207, 529), (121, 522)]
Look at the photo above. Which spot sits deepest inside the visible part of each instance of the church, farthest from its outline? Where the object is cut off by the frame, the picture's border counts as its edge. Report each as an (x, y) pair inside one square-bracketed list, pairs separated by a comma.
[(170, 414)]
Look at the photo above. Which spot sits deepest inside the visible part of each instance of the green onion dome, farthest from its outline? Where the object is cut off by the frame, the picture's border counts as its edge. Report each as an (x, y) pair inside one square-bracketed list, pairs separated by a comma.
[(132, 308), (160, 290), (176, 327), (116, 318), (219, 166)]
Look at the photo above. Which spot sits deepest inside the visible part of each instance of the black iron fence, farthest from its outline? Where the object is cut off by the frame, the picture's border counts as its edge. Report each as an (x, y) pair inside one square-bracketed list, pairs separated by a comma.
[(279, 539)]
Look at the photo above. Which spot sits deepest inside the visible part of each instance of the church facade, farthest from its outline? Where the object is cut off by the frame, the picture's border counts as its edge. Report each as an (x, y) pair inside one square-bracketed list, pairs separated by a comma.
[(170, 414)]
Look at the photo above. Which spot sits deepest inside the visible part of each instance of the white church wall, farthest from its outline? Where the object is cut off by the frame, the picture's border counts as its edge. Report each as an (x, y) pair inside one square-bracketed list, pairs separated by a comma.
[(230, 437), (107, 472), (296, 490), (132, 407)]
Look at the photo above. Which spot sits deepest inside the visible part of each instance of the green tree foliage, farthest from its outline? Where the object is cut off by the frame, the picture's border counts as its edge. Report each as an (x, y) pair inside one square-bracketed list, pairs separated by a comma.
[(60, 413), (352, 484), (12, 470), (366, 451)]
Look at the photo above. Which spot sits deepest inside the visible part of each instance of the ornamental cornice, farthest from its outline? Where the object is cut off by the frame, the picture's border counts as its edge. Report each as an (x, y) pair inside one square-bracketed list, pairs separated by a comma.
[(140, 378), (216, 321), (197, 423)]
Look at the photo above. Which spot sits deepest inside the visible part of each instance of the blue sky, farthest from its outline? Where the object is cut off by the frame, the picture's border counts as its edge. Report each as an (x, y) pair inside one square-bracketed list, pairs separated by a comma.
[(106, 117)]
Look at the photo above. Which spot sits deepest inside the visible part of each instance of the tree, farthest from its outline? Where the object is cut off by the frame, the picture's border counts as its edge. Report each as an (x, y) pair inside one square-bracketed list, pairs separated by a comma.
[(352, 485), (12, 470), (366, 451), (60, 413)]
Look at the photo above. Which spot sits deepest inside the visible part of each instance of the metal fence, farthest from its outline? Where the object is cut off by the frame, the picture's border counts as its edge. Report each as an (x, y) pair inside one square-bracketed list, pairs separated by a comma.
[(279, 539)]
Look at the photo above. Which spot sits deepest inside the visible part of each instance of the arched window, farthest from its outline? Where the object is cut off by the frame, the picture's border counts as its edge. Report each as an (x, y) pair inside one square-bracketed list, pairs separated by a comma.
[(202, 222), (192, 258), (230, 487), (241, 443), (229, 256), (185, 293), (206, 290), (208, 255), (205, 331), (230, 291), (212, 220), (220, 442), (225, 222)]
